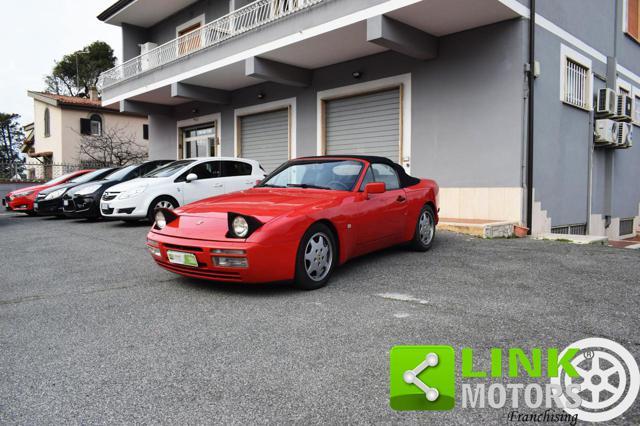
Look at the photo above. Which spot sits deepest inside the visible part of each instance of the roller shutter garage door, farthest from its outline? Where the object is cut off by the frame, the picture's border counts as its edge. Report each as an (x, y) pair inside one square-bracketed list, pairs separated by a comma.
[(264, 137), (364, 124)]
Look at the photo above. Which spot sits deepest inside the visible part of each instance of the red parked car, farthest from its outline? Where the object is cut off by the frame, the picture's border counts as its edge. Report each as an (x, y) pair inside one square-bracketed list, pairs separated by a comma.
[(21, 200), (299, 223)]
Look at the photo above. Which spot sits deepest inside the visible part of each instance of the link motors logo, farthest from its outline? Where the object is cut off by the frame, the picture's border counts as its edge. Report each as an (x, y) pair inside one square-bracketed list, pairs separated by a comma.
[(592, 380), (609, 379)]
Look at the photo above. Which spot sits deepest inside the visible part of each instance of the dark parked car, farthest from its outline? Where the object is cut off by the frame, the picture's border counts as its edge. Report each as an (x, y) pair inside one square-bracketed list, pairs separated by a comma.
[(84, 200), (49, 201)]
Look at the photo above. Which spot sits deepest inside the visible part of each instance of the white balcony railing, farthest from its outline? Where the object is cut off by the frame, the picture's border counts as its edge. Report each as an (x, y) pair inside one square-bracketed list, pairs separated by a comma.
[(231, 25)]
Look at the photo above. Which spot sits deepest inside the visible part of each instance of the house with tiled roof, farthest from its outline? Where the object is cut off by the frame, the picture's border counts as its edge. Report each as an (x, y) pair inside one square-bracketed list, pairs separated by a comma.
[(61, 122)]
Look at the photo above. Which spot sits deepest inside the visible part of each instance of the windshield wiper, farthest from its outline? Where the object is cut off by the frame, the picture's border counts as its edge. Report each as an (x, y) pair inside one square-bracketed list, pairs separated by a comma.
[(268, 185), (306, 185)]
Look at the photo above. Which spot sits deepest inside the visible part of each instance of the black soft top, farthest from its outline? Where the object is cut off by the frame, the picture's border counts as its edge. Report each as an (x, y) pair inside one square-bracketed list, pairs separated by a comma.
[(405, 179)]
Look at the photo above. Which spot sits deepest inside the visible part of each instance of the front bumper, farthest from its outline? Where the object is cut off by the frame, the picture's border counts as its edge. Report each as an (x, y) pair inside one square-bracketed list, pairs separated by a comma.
[(266, 263), (20, 204), (122, 209), (81, 206), (48, 207)]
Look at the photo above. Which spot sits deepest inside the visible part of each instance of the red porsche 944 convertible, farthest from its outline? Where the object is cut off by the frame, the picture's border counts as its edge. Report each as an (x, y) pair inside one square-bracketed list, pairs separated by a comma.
[(308, 216)]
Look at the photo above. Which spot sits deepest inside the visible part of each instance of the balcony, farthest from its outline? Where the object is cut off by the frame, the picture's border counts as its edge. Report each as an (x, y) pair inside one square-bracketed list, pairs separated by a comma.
[(247, 18)]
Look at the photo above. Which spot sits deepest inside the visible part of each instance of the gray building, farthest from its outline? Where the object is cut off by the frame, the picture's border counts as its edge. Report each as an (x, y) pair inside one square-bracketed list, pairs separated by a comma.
[(441, 86)]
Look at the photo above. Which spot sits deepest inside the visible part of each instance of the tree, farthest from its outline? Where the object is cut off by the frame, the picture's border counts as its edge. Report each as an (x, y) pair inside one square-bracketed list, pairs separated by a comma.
[(78, 72), (114, 147), (11, 136)]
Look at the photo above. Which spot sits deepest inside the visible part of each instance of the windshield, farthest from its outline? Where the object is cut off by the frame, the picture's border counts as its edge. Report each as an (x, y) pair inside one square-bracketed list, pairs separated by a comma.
[(120, 173), (168, 170), (58, 179), (88, 177), (339, 175)]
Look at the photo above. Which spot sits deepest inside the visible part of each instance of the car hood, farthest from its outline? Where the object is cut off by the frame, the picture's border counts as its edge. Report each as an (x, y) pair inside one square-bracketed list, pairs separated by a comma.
[(208, 218), (51, 189), (28, 188), (135, 183), (102, 183), (262, 203)]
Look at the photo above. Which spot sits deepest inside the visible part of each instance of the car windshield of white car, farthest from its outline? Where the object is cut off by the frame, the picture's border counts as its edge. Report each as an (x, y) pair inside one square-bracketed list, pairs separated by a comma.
[(168, 170), (339, 175)]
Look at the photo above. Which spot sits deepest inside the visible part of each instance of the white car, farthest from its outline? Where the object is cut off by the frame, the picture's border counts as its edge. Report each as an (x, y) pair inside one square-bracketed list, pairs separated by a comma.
[(178, 183)]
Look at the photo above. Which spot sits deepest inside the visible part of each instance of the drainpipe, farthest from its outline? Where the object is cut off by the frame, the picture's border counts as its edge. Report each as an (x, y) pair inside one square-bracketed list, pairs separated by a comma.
[(532, 62), (612, 83)]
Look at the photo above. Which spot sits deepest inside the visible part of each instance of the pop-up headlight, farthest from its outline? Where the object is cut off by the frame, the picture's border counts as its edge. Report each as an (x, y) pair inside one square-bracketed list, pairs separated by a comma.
[(241, 226)]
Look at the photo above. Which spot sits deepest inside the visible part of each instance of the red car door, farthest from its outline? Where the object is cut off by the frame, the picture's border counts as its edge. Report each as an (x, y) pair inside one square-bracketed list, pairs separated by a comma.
[(381, 217)]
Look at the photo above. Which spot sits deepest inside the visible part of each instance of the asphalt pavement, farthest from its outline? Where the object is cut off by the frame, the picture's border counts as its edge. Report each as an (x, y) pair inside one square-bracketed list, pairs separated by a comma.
[(92, 331)]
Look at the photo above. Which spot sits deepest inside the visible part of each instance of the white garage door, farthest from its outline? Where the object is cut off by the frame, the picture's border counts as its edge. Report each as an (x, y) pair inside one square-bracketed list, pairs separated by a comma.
[(364, 124), (265, 137)]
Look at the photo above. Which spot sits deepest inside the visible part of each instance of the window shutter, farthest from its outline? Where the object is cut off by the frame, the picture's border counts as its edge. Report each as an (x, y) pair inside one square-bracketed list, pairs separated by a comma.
[(145, 131), (85, 126), (632, 19)]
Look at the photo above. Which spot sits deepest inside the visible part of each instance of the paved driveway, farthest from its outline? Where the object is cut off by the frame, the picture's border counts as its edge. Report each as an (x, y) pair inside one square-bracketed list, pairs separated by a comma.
[(91, 331)]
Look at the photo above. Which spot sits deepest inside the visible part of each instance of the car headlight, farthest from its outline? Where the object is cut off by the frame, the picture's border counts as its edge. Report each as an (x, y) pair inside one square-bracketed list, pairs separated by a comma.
[(161, 221), (163, 217), (55, 194), (131, 193), (88, 190), (22, 194), (240, 226)]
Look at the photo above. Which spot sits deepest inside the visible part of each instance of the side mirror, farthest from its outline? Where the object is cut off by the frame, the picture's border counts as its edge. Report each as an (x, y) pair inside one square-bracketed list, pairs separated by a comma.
[(191, 177), (374, 188)]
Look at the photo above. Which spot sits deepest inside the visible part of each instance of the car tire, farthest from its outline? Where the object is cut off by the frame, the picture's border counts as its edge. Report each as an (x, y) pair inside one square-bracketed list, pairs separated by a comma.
[(425, 231), (163, 201), (314, 273)]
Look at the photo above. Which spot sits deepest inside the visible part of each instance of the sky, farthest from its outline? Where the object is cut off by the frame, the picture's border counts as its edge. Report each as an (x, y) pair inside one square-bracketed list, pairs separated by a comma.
[(36, 33)]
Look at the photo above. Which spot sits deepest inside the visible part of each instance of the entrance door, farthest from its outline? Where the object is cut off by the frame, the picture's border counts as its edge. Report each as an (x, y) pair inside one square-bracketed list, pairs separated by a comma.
[(366, 124), (191, 41), (199, 141), (264, 137)]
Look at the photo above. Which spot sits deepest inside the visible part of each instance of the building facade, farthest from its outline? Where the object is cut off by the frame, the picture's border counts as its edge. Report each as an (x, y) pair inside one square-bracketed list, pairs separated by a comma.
[(442, 87), (61, 122)]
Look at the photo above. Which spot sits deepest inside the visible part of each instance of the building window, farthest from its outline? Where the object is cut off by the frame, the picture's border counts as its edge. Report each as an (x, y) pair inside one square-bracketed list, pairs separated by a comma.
[(636, 109), (575, 79), (623, 91), (632, 21), (47, 123), (145, 131), (96, 125)]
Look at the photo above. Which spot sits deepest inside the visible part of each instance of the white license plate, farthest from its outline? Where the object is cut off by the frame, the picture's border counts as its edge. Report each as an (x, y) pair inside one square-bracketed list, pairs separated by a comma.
[(65, 203), (104, 206), (182, 258), (35, 206)]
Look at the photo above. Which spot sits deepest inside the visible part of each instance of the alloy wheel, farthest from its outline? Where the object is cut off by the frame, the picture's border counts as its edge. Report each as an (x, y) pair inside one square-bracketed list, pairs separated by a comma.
[(425, 228), (318, 256), (164, 204)]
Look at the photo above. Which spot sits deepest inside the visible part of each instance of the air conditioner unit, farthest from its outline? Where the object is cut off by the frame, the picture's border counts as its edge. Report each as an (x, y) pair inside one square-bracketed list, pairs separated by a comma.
[(606, 132), (625, 135), (146, 61), (606, 103), (623, 108)]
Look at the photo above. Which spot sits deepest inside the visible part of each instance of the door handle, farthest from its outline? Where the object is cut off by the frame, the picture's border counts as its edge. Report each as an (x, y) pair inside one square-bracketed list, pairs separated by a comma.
[(401, 199), (217, 185)]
